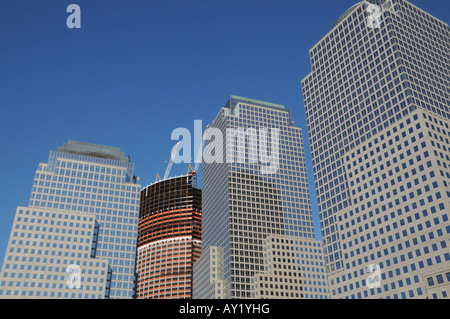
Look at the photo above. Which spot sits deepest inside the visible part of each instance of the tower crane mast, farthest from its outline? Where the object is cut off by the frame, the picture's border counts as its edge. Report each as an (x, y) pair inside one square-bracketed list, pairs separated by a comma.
[(172, 156)]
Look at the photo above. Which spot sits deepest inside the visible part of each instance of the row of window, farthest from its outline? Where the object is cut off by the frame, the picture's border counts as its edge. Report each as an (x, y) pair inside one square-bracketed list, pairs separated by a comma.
[(52, 216), (83, 199), (51, 261), (80, 183), (438, 279), (91, 187), (94, 207), (51, 294)]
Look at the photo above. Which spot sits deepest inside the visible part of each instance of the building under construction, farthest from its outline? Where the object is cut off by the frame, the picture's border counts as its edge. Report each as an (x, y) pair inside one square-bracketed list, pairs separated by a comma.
[(169, 238)]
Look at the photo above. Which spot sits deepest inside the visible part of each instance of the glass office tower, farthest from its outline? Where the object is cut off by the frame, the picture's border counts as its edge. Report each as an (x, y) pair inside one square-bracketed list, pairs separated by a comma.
[(80, 180), (256, 187), (377, 109)]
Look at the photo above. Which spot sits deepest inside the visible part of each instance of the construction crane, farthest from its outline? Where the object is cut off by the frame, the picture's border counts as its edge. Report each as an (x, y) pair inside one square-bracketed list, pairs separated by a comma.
[(172, 156), (200, 150)]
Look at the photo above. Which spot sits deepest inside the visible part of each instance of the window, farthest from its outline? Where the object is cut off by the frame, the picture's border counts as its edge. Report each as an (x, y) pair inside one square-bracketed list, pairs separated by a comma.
[(430, 281)]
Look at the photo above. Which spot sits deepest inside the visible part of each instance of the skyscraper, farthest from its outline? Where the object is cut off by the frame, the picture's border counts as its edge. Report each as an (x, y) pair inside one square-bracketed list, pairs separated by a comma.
[(255, 187), (377, 109), (169, 238), (51, 254), (83, 211), (293, 269)]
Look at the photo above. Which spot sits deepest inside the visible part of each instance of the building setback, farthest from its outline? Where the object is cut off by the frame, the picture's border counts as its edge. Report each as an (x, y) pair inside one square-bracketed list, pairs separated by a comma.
[(398, 218), (245, 202), (377, 110), (293, 269), (43, 244), (83, 211), (169, 238)]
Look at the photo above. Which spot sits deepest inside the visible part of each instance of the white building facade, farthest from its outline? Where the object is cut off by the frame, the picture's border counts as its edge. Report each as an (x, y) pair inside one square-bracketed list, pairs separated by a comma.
[(369, 82), (96, 181), (46, 249), (243, 207)]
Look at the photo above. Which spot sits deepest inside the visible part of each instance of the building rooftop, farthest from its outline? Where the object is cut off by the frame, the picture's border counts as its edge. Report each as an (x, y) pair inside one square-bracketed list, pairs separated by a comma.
[(345, 14), (93, 150), (234, 99), (193, 174)]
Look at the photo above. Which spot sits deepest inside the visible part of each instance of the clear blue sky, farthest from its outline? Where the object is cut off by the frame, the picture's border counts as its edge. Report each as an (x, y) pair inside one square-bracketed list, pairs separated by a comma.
[(137, 70)]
